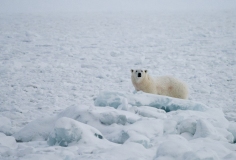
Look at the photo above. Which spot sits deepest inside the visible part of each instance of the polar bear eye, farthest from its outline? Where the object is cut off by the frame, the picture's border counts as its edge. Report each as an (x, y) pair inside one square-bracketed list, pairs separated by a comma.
[(141, 70), (136, 71)]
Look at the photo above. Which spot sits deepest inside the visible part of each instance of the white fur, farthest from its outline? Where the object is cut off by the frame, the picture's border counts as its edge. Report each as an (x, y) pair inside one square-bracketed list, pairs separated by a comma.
[(165, 85)]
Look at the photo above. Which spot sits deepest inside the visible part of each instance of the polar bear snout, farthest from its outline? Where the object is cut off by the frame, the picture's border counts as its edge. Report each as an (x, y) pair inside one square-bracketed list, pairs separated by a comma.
[(139, 75)]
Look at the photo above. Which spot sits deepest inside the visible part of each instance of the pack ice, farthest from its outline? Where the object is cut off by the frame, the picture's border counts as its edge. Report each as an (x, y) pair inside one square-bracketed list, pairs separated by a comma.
[(130, 126)]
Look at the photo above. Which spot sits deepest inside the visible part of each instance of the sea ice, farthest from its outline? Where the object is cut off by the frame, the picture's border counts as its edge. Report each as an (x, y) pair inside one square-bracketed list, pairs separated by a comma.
[(202, 154), (5, 125), (187, 125), (205, 129), (112, 99), (119, 136), (146, 111), (115, 99), (109, 118), (174, 146), (175, 134), (150, 129), (136, 137), (170, 126), (68, 131), (8, 141), (45, 68), (38, 129), (232, 129), (230, 156)]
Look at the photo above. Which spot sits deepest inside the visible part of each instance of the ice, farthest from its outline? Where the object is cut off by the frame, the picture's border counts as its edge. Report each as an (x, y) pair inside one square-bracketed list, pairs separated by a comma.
[(230, 156), (112, 99), (110, 118), (187, 125), (115, 99), (219, 148), (205, 129), (187, 135), (106, 116), (174, 146), (65, 79), (24, 151), (201, 154), (129, 151), (7, 141), (170, 126), (147, 111), (68, 131), (118, 136), (176, 134), (138, 138), (211, 124), (212, 115), (232, 129), (5, 125), (36, 130), (177, 147), (153, 128), (100, 117)]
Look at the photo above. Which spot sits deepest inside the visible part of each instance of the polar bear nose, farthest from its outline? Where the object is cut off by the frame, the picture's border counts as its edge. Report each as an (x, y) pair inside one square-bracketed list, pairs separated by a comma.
[(139, 74)]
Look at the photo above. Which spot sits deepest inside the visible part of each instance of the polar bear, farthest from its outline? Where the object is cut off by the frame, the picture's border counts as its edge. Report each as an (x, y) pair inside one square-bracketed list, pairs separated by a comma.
[(165, 85)]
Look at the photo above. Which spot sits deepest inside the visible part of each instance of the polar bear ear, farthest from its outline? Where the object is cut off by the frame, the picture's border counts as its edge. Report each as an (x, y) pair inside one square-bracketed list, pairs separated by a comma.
[(145, 71), (132, 70)]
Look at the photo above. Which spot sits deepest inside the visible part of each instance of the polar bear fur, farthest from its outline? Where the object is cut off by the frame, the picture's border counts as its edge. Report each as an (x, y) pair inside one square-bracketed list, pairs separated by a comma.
[(165, 85)]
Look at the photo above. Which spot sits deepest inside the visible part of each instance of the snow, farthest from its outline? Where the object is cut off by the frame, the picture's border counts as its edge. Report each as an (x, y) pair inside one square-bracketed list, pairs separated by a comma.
[(205, 129), (174, 134), (65, 81), (7, 141), (168, 148), (232, 129), (5, 126), (67, 131), (114, 99)]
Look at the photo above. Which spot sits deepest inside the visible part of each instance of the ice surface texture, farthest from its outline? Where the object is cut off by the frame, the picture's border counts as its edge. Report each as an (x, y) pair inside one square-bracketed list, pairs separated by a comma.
[(41, 128), (179, 134), (68, 131), (114, 99)]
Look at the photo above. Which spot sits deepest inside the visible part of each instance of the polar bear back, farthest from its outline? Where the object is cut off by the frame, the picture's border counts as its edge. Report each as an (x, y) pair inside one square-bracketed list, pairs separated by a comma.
[(170, 86)]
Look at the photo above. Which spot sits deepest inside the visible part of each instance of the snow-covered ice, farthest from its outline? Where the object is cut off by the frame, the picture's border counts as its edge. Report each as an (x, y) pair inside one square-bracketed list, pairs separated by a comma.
[(175, 134), (67, 131), (65, 88), (115, 99)]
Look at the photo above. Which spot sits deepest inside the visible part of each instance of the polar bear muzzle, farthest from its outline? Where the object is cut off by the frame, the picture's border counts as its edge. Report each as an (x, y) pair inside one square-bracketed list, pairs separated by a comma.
[(138, 73)]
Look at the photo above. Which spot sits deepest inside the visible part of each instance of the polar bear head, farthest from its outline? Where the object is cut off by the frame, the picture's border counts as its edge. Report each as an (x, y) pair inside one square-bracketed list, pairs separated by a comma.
[(138, 75)]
